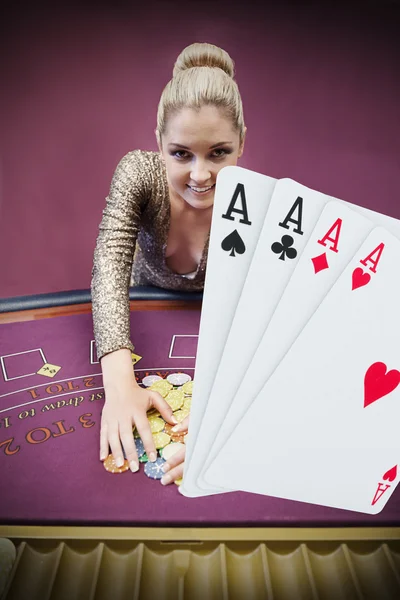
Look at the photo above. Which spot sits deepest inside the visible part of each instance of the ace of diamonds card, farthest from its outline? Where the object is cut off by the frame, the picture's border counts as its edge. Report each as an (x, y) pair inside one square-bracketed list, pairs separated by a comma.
[(331, 426)]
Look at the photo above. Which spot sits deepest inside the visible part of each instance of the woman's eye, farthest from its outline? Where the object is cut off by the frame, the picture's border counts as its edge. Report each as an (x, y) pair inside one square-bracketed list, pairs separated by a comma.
[(222, 152), (179, 152)]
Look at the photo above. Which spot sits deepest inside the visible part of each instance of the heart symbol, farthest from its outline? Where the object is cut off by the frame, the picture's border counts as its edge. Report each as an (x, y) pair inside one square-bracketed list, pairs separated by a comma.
[(378, 383), (391, 474), (359, 278)]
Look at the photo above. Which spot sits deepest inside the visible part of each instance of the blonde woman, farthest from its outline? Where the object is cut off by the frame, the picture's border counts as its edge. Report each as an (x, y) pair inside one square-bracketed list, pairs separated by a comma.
[(155, 230)]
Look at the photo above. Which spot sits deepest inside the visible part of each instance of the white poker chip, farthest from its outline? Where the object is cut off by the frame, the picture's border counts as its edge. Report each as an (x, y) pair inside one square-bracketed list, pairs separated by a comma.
[(178, 378), (150, 379), (171, 449)]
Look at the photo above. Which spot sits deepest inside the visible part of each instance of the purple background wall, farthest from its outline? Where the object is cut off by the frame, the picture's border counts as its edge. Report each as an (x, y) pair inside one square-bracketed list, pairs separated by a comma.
[(80, 88)]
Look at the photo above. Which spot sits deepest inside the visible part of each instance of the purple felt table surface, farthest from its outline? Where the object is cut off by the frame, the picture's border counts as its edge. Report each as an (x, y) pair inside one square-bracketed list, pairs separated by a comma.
[(50, 472)]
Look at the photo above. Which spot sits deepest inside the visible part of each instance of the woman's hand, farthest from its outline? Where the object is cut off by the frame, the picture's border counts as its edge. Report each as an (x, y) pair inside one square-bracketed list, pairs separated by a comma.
[(126, 405), (173, 468)]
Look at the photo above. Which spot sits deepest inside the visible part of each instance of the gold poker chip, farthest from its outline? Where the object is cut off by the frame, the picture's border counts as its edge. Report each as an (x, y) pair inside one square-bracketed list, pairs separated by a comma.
[(181, 414), (156, 424), (161, 439), (178, 481), (187, 403), (175, 399), (162, 387), (171, 449), (153, 412), (187, 388)]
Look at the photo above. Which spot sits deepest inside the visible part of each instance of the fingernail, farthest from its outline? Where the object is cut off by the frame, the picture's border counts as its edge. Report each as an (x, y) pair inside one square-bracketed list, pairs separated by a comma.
[(119, 461), (103, 456), (165, 468), (174, 420), (176, 428), (165, 479), (153, 456), (133, 466)]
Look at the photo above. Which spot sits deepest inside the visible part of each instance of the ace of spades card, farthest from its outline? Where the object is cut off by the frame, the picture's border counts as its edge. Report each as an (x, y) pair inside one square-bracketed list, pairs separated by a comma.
[(330, 430), (241, 202)]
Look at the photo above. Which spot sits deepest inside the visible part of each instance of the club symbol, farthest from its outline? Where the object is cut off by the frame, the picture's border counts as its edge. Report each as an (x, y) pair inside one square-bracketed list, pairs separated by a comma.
[(284, 247), (233, 243)]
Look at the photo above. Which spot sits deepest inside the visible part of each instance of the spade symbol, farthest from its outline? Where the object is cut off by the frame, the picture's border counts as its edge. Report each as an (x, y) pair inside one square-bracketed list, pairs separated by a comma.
[(284, 247), (233, 243)]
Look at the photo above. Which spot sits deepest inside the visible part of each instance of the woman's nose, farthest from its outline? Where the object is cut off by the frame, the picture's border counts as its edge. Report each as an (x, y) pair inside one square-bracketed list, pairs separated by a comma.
[(200, 172)]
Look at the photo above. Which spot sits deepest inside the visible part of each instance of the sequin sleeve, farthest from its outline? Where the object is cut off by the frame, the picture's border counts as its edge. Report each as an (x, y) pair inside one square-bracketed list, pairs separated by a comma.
[(113, 255)]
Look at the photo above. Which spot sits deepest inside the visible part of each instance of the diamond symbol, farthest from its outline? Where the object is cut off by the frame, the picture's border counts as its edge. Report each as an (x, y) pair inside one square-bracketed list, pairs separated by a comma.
[(320, 263)]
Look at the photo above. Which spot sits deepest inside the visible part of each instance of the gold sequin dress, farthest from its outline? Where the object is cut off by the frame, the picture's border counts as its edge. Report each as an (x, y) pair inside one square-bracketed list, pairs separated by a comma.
[(131, 245)]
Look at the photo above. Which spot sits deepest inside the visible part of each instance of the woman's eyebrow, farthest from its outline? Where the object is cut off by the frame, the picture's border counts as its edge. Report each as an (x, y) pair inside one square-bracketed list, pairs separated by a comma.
[(186, 147)]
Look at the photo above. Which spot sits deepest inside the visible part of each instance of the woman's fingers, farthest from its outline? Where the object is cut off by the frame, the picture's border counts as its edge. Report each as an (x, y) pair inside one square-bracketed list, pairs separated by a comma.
[(143, 427), (172, 475), (173, 468), (103, 441), (129, 446), (163, 408), (182, 426)]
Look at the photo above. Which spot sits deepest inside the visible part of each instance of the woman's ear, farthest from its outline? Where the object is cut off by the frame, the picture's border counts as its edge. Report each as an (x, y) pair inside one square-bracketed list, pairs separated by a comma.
[(242, 144), (158, 140)]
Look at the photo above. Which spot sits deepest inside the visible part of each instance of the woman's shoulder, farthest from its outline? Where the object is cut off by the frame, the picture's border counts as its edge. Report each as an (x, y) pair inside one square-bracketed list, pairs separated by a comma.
[(145, 161)]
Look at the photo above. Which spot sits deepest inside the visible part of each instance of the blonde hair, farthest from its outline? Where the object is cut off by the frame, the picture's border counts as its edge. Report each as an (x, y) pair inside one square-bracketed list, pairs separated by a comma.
[(203, 75)]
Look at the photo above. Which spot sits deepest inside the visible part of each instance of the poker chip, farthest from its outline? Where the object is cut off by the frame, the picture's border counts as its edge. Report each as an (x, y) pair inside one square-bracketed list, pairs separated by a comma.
[(178, 378), (139, 447), (178, 481), (154, 469), (175, 399), (110, 465), (150, 379), (171, 449), (144, 458), (187, 403), (168, 428), (153, 412), (187, 388), (181, 414), (156, 424), (178, 437), (162, 387), (161, 439)]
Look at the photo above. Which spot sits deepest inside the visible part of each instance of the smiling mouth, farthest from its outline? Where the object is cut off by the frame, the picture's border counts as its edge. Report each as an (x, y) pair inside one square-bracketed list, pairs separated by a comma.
[(201, 190)]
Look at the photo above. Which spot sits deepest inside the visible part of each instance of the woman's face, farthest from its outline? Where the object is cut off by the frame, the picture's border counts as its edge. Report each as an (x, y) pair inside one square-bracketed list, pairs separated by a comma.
[(195, 147)]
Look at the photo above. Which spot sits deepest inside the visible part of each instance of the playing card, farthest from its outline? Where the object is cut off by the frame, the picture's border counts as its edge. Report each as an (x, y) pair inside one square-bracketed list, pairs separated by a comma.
[(287, 227), (241, 201), (324, 428), (235, 386)]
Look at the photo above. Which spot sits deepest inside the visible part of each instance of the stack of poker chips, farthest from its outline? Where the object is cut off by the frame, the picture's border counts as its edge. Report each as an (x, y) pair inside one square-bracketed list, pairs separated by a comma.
[(177, 390)]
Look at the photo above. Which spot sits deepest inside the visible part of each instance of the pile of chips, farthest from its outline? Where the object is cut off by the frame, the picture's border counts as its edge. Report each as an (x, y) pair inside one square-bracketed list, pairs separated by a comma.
[(177, 390)]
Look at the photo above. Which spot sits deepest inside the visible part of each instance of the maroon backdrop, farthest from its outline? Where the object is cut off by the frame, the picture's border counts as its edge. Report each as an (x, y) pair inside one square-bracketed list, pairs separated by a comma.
[(80, 88)]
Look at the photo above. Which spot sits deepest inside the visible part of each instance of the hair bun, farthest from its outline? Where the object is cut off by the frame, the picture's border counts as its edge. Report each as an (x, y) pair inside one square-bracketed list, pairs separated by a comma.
[(204, 55)]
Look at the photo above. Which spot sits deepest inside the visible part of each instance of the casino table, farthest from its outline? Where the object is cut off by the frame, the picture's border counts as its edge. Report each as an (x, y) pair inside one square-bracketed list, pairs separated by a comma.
[(82, 532)]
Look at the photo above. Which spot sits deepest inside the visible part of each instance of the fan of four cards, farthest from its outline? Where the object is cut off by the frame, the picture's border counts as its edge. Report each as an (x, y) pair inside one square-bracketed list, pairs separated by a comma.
[(298, 348)]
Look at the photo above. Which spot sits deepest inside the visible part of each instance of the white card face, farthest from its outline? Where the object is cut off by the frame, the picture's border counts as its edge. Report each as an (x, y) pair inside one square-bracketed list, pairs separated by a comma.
[(325, 427), (287, 227), (241, 202), (236, 391)]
